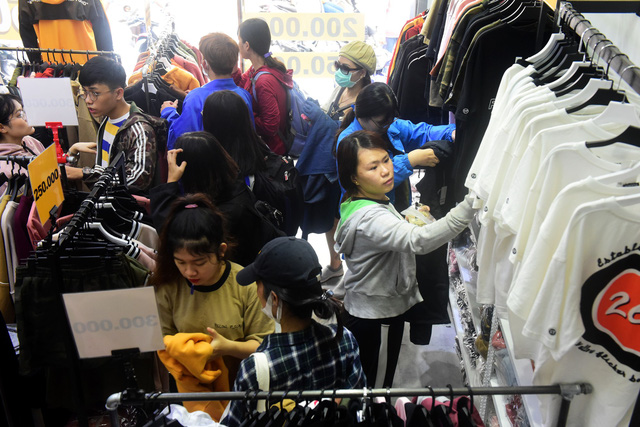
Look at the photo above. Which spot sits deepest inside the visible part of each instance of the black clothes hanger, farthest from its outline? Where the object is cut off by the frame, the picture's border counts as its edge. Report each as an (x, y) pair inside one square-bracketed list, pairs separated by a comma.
[(630, 136), (252, 413), (299, 413), (464, 408), (440, 413)]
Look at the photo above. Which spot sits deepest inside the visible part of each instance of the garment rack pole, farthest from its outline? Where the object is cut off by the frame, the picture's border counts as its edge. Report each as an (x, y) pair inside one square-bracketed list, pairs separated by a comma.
[(21, 160), (616, 59), (71, 51), (567, 391)]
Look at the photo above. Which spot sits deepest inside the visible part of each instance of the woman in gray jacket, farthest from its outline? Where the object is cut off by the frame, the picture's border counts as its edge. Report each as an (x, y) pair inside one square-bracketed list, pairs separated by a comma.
[(379, 248)]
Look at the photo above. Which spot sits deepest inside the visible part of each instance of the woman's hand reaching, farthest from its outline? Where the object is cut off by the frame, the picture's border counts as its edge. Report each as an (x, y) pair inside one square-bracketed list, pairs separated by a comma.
[(175, 171)]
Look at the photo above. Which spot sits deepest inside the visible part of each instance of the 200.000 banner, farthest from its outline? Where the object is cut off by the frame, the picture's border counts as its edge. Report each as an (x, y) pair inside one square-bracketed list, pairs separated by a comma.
[(313, 26)]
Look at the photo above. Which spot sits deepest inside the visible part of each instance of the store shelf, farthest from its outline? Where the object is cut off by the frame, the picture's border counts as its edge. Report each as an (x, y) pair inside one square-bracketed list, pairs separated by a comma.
[(524, 376), (473, 372), (500, 406)]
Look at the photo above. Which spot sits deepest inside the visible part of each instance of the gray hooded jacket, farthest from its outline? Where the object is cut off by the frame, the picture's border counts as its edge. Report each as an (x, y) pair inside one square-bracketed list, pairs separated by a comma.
[(379, 247)]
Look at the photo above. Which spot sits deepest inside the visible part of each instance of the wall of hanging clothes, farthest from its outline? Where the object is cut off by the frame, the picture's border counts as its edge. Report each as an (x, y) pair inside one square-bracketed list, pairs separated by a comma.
[(558, 173), (99, 241), (366, 407), (56, 63), (165, 72), (454, 65)]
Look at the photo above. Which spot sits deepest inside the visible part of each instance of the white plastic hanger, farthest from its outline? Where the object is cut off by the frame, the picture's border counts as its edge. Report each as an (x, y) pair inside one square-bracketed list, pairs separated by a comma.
[(110, 237), (546, 50), (576, 65), (618, 112), (585, 94), (627, 201)]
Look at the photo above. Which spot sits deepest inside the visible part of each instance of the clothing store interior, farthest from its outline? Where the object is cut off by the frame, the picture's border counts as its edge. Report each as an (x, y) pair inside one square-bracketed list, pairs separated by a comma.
[(319, 213)]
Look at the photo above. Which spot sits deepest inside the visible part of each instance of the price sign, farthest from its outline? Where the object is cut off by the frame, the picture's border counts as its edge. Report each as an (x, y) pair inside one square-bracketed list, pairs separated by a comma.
[(313, 26), (44, 177), (114, 320), (308, 64), (48, 100), (9, 21)]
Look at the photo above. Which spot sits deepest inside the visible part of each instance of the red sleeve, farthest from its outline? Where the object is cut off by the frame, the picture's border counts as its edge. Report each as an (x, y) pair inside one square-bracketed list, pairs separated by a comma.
[(268, 90), (242, 80)]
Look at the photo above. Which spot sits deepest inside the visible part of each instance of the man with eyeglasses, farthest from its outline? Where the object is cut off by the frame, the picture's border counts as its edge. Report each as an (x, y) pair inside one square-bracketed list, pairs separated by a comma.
[(124, 128)]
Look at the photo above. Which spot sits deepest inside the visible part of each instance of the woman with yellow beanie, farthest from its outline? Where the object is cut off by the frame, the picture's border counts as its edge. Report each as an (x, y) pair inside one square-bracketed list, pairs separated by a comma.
[(355, 65)]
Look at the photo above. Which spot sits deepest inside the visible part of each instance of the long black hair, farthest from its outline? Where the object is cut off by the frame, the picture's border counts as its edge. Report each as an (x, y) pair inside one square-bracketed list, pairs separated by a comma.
[(210, 170), (226, 116), (256, 32), (348, 157)]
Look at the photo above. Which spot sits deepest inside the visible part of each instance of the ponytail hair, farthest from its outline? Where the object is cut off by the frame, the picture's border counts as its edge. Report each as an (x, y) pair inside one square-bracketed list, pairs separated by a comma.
[(303, 302), (256, 32)]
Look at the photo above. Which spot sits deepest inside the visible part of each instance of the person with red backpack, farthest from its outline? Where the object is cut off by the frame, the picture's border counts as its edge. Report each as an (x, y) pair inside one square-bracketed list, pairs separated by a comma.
[(270, 79)]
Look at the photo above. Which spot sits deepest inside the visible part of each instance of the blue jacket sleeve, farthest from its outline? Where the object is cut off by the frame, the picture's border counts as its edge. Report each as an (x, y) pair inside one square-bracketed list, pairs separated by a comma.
[(414, 136), (171, 115), (189, 121), (402, 168)]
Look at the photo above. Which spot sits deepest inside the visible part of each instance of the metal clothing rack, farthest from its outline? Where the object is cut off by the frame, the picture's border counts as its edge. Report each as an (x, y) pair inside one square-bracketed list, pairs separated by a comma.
[(115, 171), (21, 160), (615, 59), (62, 51), (567, 391), (150, 61)]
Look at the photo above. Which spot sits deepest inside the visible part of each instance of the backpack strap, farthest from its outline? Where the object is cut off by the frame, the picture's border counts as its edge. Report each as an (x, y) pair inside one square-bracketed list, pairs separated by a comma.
[(262, 374), (253, 82), (286, 141)]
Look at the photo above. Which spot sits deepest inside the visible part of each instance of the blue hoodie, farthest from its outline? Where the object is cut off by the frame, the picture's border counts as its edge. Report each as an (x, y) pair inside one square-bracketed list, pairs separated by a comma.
[(405, 136)]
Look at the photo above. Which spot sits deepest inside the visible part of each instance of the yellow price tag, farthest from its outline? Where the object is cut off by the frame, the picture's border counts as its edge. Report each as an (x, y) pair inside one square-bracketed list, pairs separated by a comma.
[(313, 26), (44, 176)]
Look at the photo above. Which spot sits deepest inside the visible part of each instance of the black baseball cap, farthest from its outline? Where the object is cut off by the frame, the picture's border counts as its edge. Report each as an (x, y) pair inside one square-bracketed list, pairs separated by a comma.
[(286, 262)]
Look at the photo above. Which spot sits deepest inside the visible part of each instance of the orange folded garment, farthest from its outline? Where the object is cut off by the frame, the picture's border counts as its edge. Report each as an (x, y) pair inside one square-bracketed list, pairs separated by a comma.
[(187, 359)]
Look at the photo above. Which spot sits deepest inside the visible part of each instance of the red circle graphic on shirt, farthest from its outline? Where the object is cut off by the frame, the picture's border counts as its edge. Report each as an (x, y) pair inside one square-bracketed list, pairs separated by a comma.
[(616, 310)]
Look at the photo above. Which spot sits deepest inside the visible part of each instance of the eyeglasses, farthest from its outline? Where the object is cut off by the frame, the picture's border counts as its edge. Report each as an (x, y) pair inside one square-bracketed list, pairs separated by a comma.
[(21, 114), (92, 95), (384, 126), (344, 67)]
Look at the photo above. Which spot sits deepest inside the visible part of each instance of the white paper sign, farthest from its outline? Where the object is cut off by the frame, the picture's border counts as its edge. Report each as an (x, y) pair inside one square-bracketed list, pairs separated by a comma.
[(48, 100), (114, 320)]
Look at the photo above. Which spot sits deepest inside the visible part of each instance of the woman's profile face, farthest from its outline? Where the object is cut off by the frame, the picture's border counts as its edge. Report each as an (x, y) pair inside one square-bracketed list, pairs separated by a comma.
[(378, 124), (198, 269), (18, 127)]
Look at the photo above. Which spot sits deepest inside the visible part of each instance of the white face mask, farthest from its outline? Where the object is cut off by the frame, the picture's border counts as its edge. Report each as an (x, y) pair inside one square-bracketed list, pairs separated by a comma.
[(268, 311)]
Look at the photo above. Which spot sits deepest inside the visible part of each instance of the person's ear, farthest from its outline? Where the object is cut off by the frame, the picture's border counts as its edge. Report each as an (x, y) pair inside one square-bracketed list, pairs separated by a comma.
[(3, 129), (354, 180), (119, 93), (222, 250)]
